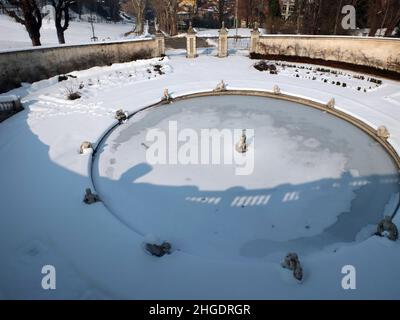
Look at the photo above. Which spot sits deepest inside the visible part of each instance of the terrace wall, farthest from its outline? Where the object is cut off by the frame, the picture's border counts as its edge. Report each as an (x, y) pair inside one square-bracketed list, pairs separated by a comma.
[(44, 62), (368, 54)]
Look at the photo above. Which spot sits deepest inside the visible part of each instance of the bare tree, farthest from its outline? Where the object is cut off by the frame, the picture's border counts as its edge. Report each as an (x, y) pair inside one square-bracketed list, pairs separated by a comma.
[(253, 11), (375, 11), (383, 14), (26, 13), (137, 8), (298, 15), (61, 8), (172, 10), (393, 17), (339, 10), (274, 16), (166, 12), (220, 8), (245, 11)]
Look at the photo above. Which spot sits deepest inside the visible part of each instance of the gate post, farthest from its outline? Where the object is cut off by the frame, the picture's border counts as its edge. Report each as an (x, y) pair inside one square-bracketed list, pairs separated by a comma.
[(191, 50), (254, 39), (223, 42), (160, 41)]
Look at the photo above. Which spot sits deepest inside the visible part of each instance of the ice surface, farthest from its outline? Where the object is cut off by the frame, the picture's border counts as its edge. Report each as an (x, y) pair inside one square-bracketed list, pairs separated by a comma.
[(317, 180)]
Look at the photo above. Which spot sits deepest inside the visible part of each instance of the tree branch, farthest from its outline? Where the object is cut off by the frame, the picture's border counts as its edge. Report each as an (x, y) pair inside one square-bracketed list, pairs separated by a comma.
[(12, 14)]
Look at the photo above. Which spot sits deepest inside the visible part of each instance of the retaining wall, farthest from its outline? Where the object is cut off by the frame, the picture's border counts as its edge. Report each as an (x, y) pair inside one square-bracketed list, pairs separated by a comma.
[(371, 53), (44, 62)]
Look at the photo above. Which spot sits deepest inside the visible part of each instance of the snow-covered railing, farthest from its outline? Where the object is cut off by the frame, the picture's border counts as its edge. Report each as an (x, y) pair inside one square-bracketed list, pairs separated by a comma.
[(234, 42)]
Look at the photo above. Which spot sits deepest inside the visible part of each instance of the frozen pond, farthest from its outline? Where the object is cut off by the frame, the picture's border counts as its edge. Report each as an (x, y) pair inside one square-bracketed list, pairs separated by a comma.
[(317, 181)]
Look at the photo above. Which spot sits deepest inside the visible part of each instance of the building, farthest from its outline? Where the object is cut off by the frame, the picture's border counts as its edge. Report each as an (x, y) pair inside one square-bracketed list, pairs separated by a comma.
[(211, 7), (186, 10), (189, 3)]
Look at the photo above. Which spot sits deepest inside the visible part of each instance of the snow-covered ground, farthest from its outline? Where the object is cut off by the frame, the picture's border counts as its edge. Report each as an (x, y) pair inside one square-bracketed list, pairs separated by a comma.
[(14, 35), (97, 254)]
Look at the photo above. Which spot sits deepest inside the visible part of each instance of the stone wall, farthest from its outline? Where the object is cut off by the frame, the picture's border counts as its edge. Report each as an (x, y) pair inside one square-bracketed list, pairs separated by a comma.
[(372, 53), (44, 62)]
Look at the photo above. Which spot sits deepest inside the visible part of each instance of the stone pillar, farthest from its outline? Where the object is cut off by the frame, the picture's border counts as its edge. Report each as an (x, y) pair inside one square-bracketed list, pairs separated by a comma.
[(254, 39), (223, 42), (191, 50), (160, 43)]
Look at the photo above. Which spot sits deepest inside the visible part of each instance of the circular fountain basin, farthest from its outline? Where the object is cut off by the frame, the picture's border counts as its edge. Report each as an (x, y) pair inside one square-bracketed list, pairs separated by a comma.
[(309, 181)]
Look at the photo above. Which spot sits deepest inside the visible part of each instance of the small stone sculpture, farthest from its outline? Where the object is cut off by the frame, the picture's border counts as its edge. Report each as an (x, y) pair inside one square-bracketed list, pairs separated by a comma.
[(387, 225), (166, 96), (190, 29), (383, 133), (85, 147), (90, 198), (331, 103), (276, 89), (121, 116), (220, 87), (292, 262), (159, 250), (241, 146)]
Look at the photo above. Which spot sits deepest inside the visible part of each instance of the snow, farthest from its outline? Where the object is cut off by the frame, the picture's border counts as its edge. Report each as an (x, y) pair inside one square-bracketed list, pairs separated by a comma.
[(98, 252), (327, 75), (13, 35), (4, 98)]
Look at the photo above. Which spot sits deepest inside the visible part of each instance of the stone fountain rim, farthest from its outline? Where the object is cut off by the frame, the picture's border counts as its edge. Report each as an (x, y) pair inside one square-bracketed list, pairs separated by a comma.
[(366, 128)]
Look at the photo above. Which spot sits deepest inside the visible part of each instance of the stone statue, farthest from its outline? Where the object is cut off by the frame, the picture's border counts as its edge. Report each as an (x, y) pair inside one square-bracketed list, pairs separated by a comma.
[(159, 250), (166, 96), (220, 87), (383, 133), (298, 273), (121, 116), (85, 147), (241, 146), (331, 103), (387, 225), (146, 28), (90, 198), (190, 29), (292, 262)]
